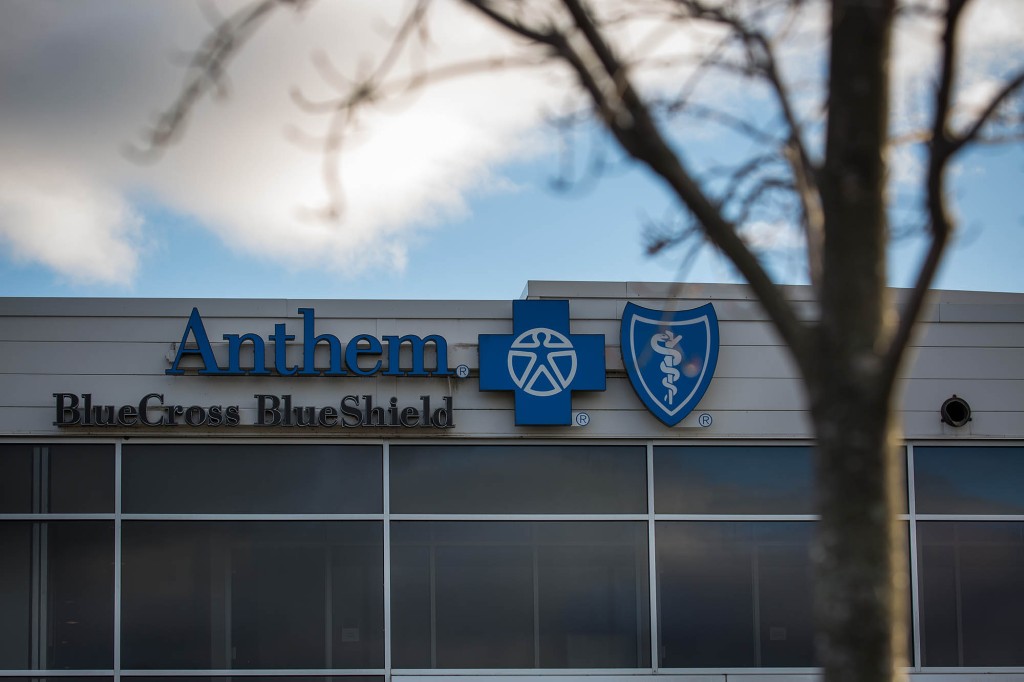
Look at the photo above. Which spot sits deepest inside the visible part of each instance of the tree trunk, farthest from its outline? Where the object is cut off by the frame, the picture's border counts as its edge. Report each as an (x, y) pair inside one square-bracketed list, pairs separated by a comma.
[(861, 549), (860, 553)]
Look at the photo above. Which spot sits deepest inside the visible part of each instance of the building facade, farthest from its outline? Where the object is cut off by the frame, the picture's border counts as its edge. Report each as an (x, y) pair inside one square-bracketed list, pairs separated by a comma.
[(601, 481)]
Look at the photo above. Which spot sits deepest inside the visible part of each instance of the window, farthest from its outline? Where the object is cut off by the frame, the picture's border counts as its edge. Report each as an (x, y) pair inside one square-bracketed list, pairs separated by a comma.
[(518, 556), (252, 594), (64, 620), (972, 593), (56, 479), (56, 574), (222, 479), (969, 480), (970, 568), (518, 479), (247, 678), (733, 480), (735, 594), (518, 594)]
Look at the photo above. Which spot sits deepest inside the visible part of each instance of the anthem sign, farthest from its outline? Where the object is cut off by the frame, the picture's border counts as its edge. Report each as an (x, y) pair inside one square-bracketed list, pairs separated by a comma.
[(363, 355)]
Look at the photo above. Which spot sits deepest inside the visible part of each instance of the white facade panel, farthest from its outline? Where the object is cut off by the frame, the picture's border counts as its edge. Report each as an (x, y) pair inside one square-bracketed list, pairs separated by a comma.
[(118, 351)]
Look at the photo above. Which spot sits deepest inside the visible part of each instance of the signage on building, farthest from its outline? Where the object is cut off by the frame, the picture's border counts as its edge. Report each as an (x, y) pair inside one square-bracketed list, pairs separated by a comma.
[(541, 362), (351, 411), (670, 357), (363, 355)]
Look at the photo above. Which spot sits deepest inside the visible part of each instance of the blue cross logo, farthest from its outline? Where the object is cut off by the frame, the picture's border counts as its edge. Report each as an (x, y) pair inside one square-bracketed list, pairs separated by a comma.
[(542, 362)]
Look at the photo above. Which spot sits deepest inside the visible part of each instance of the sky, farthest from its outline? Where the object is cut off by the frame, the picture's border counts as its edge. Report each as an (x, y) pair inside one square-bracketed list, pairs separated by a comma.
[(448, 194)]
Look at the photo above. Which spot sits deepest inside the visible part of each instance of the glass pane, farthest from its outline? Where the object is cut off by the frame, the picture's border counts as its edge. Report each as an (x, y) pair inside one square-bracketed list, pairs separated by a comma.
[(56, 478), (224, 479), (250, 678), (247, 678), (256, 595), (972, 595), (73, 618), (540, 479), (733, 480), (81, 478), (62, 678), (735, 594), (969, 480), (80, 613), (593, 597), (15, 594), (15, 479), (519, 594)]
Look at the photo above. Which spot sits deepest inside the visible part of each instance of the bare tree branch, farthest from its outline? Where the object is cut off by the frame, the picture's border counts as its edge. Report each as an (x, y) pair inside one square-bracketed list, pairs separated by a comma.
[(389, 90), (644, 140), (641, 136), (762, 188), (630, 121), (378, 87), (941, 149), (365, 90), (761, 53), (206, 73), (721, 117), (761, 57), (736, 175), (944, 145), (969, 135)]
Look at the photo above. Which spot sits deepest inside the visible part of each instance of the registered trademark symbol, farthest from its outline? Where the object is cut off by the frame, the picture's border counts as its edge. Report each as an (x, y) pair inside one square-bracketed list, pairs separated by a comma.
[(704, 420), (462, 371), (582, 419)]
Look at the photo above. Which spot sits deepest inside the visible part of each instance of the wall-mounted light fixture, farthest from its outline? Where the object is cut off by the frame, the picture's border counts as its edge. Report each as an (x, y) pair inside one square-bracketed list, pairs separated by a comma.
[(955, 411)]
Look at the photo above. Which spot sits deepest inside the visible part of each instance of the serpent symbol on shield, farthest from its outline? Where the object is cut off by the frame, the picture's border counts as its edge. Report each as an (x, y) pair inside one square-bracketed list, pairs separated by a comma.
[(665, 343)]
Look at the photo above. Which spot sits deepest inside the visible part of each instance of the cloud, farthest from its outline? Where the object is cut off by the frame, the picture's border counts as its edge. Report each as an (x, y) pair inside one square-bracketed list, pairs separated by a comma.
[(773, 236), (988, 49), (84, 231), (81, 79)]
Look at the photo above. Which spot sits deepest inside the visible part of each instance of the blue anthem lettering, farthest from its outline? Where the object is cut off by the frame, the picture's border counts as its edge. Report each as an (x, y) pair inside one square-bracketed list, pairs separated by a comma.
[(363, 355)]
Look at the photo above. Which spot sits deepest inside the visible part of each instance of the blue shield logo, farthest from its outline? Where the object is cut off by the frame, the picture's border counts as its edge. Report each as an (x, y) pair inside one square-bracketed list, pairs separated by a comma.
[(670, 357)]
